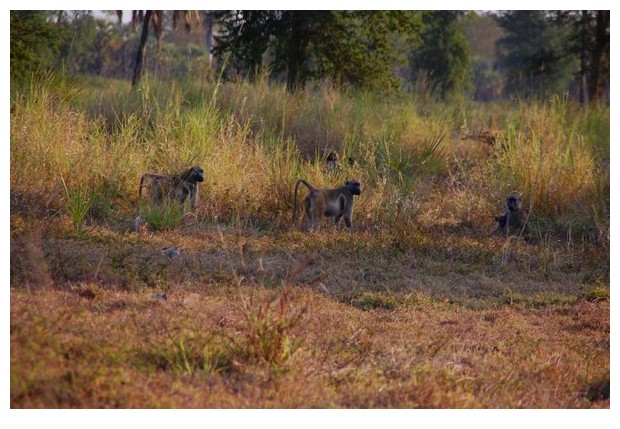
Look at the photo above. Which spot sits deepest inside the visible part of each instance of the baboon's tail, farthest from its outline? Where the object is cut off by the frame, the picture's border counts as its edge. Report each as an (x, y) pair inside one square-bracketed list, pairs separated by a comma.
[(309, 186), (141, 182)]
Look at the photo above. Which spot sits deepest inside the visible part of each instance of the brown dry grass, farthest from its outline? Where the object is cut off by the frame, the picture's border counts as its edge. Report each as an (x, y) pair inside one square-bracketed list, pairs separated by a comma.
[(418, 308), (379, 326), (92, 347)]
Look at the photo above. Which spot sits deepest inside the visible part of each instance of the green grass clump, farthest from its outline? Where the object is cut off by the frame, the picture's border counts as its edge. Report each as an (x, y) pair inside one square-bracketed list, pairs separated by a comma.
[(598, 293), (79, 202), (374, 300), (165, 216), (190, 355)]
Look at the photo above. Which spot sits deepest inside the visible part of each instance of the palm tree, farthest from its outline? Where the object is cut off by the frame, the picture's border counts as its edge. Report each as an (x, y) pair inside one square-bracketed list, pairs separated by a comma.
[(155, 18)]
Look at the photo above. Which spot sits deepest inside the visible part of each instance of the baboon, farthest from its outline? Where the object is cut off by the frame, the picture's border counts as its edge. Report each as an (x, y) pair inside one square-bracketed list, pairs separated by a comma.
[(159, 297), (174, 186), (515, 216), (171, 252), (335, 202), (333, 161)]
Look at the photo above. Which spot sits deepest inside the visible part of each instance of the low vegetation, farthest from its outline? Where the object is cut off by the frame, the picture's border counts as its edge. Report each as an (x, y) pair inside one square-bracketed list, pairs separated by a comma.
[(419, 308)]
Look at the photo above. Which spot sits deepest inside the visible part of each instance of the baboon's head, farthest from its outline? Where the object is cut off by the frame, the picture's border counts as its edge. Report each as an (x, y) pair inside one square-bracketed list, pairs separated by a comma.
[(513, 202), (197, 174), (354, 187), (332, 157)]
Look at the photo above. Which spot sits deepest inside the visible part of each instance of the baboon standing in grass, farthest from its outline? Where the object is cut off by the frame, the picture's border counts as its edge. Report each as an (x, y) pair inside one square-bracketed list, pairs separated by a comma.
[(334, 202), (174, 186)]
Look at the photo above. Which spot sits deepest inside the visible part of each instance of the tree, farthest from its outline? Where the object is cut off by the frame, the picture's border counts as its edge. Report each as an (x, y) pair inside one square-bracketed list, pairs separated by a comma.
[(365, 48), (137, 73), (482, 33), (209, 25), (589, 42), (154, 19), (358, 48), (443, 54), (599, 67), (533, 53), (35, 41), (245, 38), (89, 43)]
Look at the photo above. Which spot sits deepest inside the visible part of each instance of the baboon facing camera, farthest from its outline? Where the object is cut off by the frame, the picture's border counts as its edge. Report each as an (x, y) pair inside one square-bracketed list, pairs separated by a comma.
[(515, 217)]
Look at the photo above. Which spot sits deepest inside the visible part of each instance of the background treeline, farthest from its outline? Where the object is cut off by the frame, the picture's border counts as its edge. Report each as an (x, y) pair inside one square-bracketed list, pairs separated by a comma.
[(505, 54)]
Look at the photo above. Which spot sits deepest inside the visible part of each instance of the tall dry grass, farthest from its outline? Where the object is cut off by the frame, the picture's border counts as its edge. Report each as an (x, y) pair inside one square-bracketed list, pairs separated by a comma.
[(255, 139)]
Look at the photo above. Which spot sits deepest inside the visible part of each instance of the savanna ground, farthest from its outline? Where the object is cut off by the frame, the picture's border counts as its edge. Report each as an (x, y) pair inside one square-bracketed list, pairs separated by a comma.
[(418, 308)]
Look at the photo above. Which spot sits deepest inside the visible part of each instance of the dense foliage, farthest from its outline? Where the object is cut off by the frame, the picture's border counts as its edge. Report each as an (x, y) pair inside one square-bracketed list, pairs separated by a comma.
[(35, 42), (444, 54), (532, 53), (358, 48), (436, 53), (544, 52)]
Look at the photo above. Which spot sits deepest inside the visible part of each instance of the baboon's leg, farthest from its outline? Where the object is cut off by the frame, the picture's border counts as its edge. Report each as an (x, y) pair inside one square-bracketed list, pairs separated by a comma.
[(347, 221), (193, 195), (509, 222), (307, 220), (156, 190), (343, 211)]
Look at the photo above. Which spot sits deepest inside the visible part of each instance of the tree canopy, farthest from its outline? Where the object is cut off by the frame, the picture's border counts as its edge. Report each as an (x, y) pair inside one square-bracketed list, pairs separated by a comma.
[(532, 53), (444, 54), (35, 41), (523, 53), (359, 48)]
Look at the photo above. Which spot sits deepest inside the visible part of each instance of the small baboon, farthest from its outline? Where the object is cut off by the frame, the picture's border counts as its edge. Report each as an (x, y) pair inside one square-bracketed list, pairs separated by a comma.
[(514, 217), (333, 161), (336, 202), (171, 252), (174, 186)]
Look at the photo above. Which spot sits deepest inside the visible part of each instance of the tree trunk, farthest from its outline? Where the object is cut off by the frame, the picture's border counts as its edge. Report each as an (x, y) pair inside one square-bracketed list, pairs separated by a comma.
[(208, 24), (583, 73), (137, 74), (157, 22), (601, 46), (296, 52)]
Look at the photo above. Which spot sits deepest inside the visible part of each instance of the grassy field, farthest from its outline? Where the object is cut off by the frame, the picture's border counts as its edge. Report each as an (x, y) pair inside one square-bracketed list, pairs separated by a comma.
[(420, 307)]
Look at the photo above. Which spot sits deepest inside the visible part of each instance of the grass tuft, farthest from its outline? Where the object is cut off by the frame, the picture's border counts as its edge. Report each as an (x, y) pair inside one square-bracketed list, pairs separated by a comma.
[(163, 217), (374, 300), (79, 202), (269, 325), (598, 293)]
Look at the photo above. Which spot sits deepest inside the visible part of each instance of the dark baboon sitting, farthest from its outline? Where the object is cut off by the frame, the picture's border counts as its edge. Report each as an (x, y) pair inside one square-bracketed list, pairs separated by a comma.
[(515, 217), (336, 202), (174, 186), (333, 161)]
